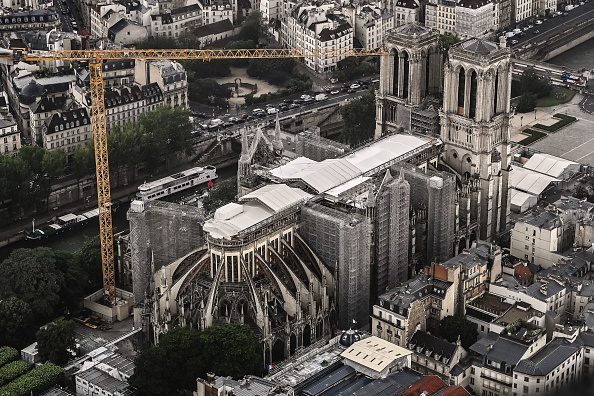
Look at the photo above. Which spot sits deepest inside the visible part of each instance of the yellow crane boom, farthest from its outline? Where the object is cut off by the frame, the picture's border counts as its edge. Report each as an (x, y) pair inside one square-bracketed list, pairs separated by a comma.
[(95, 59)]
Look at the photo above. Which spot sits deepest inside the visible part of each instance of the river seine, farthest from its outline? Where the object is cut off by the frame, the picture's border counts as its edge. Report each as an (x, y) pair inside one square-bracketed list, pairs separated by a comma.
[(580, 57)]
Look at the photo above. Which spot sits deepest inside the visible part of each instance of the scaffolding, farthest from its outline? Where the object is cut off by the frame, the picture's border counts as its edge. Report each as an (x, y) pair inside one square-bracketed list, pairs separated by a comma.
[(160, 233), (311, 145), (434, 194), (343, 241), (392, 232)]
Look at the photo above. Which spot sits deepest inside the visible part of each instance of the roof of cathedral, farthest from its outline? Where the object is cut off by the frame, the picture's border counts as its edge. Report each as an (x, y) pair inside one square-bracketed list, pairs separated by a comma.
[(479, 46), (411, 28)]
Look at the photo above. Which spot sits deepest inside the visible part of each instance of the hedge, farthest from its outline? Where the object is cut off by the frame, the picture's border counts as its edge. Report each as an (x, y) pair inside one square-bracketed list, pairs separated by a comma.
[(35, 381), (7, 355), (534, 136), (12, 371), (563, 121)]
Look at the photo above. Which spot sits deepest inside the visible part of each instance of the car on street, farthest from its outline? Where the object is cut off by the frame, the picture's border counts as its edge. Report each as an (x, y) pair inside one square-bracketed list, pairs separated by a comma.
[(272, 110), (351, 90), (334, 92), (538, 22), (514, 42), (305, 96), (355, 86), (293, 106), (530, 26)]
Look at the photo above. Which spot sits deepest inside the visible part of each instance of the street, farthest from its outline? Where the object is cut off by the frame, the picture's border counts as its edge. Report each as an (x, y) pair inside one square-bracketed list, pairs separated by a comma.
[(553, 26), (71, 19)]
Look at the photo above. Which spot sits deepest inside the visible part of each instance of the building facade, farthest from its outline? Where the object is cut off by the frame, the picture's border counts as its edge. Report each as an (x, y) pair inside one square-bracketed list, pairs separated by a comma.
[(67, 130), (10, 137)]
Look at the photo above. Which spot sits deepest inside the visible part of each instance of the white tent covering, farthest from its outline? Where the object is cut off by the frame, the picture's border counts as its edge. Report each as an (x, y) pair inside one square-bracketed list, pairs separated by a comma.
[(328, 174), (253, 208), (529, 181), (521, 201), (552, 166)]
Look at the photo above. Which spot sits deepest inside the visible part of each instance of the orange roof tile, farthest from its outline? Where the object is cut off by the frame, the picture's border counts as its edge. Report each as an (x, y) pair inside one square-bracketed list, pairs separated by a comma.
[(431, 384)]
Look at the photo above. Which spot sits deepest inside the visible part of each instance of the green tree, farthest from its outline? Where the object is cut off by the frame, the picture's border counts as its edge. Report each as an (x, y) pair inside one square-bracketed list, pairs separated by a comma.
[(275, 71), (240, 44), (359, 119), (89, 261), (526, 103), (532, 82), (16, 321), (188, 40), (15, 184), (457, 327), (173, 364), (56, 341), (52, 167), (76, 278), (83, 163), (232, 350), (252, 28), (167, 131), (447, 40), (208, 91), (220, 195), (31, 275)]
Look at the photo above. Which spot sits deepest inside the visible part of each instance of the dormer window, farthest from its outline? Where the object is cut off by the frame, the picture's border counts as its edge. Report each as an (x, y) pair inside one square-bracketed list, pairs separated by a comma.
[(61, 127), (56, 128)]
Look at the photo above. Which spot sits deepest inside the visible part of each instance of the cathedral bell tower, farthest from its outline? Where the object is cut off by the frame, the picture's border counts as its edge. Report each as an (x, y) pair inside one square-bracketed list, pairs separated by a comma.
[(409, 74), (475, 129)]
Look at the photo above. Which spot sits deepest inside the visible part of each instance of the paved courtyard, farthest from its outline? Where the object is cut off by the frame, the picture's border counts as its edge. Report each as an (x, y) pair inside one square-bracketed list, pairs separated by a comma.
[(574, 142)]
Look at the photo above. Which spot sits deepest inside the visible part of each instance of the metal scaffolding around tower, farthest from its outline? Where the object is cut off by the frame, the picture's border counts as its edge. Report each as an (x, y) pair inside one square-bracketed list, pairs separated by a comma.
[(160, 233)]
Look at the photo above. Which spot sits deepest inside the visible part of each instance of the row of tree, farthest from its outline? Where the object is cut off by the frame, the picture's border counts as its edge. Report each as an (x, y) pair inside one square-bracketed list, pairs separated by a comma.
[(35, 283), (26, 179), (184, 354), (359, 119), (532, 86)]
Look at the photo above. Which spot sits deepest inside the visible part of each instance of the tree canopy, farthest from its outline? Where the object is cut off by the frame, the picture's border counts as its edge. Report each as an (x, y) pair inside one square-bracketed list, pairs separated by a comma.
[(56, 341), (16, 320), (359, 119), (457, 327), (220, 195), (183, 354), (31, 276)]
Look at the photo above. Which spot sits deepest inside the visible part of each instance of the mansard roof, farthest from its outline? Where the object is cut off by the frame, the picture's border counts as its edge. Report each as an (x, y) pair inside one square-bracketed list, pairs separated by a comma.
[(67, 120)]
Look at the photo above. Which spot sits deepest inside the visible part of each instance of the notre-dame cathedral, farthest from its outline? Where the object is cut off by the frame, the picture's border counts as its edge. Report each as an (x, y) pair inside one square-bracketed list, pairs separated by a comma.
[(292, 258), (464, 98)]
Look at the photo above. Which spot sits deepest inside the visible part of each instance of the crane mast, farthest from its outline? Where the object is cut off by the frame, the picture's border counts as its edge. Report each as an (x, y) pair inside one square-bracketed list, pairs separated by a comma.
[(95, 59)]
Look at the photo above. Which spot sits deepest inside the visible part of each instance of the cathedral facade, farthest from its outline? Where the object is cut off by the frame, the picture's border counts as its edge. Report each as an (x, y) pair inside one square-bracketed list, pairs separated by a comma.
[(468, 96)]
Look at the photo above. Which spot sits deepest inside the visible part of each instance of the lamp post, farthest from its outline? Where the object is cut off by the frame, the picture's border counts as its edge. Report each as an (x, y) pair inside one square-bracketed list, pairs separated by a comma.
[(521, 120), (535, 114)]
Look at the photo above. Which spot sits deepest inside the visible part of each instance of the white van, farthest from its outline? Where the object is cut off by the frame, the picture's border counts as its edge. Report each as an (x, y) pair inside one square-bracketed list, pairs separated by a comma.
[(215, 123)]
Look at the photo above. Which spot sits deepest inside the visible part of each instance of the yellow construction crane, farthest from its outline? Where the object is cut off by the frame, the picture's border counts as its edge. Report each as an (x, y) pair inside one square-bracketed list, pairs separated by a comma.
[(95, 59)]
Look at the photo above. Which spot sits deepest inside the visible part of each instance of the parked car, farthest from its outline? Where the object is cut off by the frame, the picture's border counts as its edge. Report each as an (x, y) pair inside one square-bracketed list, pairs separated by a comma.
[(334, 92), (293, 106), (355, 86), (514, 42), (272, 110), (258, 111), (538, 22)]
